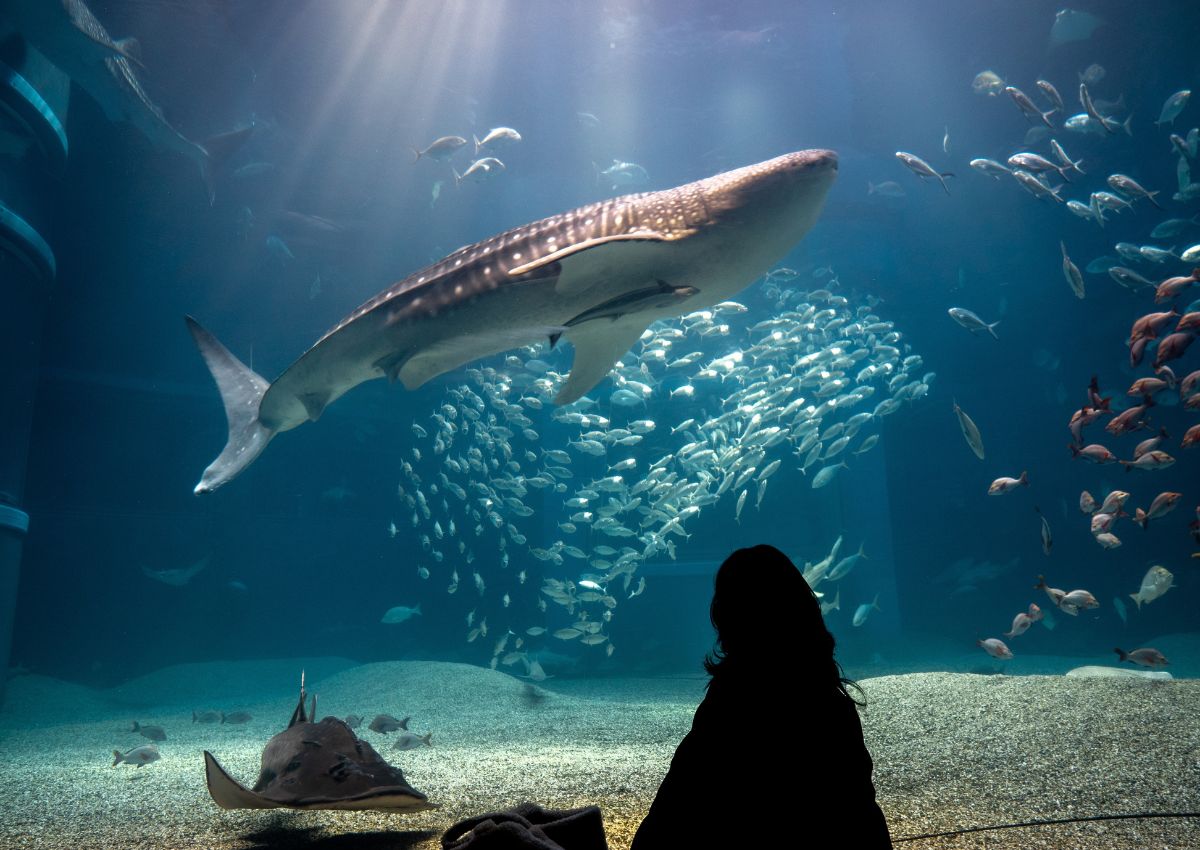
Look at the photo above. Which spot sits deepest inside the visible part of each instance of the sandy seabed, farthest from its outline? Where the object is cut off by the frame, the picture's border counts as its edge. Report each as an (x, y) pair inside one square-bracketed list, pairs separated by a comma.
[(951, 750)]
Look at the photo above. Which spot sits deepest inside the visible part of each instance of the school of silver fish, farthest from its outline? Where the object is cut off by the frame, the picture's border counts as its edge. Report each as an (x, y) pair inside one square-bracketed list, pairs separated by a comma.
[(737, 396)]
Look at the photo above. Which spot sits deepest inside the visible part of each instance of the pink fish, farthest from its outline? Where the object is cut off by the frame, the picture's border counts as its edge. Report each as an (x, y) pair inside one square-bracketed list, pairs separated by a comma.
[(1172, 286), (1081, 418), (996, 648), (1113, 503), (1137, 350), (1021, 624), (1095, 453), (1094, 395), (1102, 522), (1147, 657), (1004, 485), (1192, 436), (1148, 326), (1087, 503), (1079, 599), (1035, 613), (1172, 347), (1162, 505), (1150, 460), (1189, 322), (1151, 444), (1108, 540), (1147, 386), (1130, 419), (1189, 383), (1192, 402), (1054, 593)]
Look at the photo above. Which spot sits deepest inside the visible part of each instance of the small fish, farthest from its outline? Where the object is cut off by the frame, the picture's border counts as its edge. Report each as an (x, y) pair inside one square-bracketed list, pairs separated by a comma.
[(1004, 485), (1147, 657), (154, 733), (987, 82), (1071, 272), (1087, 504), (479, 170), (1020, 625), (384, 723), (411, 741), (1027, 107), (621, 174), (1125, 183), (440, 149), (995, 648), (991, 168), (1047, 540), (886, 189), (862, 612), (138, 756), (206, 716), (353, 721), (498, 137), (923, 169), (1051, 94), (972, 322), (946, 140), (1173, 106), (236, 718), (1162, 505), (1157, 581), (970, 431), (400, 613)]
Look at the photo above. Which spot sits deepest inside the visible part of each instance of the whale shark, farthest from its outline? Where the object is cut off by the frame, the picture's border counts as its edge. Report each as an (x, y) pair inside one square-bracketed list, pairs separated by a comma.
[(596, 276)]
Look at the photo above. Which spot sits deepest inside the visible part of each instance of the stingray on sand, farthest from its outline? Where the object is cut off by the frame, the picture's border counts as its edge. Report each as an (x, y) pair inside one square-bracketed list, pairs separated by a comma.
[(313, 765)]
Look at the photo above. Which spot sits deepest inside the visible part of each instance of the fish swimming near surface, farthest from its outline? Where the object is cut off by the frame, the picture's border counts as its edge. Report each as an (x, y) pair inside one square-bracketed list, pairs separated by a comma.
[(312, 765), (179, 576), (597, 276), (68, 34)]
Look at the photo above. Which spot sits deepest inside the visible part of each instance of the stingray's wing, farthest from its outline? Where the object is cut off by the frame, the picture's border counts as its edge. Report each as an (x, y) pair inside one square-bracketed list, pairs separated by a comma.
[(227, 792)]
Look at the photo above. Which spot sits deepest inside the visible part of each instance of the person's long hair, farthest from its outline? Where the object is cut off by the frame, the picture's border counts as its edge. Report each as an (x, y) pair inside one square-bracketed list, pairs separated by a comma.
[(768, 620)]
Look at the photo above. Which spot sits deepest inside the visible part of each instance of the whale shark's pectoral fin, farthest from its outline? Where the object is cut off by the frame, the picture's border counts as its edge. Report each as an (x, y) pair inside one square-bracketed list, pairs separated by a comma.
[(598, 346)]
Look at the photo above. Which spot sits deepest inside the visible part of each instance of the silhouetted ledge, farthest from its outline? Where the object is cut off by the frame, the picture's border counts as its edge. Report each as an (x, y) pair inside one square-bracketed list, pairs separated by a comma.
[(951, 751)]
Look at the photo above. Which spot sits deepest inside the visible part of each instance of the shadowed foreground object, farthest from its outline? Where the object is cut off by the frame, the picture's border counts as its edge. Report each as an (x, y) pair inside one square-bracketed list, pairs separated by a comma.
[(598, 276), (317, 766)]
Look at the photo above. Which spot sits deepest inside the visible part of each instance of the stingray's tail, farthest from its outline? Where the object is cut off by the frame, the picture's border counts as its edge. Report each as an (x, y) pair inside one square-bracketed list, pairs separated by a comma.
[(242, 391)]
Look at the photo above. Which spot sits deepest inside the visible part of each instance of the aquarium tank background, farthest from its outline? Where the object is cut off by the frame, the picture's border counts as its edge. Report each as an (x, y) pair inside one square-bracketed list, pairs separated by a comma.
[(536, 537)]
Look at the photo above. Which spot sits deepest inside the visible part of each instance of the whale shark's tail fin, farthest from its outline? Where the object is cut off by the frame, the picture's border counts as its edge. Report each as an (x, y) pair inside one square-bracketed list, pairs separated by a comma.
[(242, 391)]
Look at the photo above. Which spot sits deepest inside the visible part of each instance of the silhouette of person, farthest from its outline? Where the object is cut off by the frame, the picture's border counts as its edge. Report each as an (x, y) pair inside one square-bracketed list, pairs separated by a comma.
[(775, 757)]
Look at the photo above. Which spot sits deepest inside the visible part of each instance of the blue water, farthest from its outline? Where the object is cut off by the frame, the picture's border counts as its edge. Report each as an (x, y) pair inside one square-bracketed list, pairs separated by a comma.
[(126, 416)]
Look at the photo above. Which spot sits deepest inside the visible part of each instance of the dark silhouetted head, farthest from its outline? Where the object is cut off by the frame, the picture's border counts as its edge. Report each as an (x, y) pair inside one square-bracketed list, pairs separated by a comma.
[(768, 620)]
